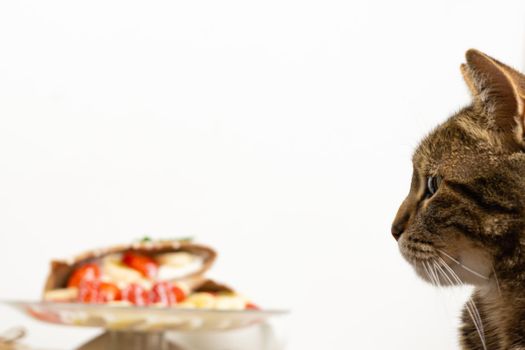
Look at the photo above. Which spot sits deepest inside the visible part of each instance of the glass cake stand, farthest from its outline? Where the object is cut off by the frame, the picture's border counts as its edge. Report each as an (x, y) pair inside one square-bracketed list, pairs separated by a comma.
[(131, 327)]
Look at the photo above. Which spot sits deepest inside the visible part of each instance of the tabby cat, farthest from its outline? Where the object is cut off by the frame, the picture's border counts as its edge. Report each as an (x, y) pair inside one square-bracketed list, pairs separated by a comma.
[(463, 220)]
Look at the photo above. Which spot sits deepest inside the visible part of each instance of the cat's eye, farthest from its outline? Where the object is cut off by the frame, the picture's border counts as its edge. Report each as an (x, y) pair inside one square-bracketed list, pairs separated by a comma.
[(433, 184)]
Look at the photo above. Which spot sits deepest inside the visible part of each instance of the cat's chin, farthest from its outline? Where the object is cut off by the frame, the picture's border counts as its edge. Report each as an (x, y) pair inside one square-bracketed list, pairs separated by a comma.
[(470, 267), (463, 263), (430, 271), (453, 271)]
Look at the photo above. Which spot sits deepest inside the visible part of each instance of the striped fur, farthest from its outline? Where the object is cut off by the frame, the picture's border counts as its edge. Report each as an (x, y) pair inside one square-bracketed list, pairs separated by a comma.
[(475, 222)]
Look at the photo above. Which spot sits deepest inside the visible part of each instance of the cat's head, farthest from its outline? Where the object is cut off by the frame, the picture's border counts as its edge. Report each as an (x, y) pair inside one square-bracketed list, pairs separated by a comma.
[(464, 215)]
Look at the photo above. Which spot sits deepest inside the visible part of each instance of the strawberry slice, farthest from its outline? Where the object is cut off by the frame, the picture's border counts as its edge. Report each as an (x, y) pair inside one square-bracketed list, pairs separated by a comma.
[(162, 293), (89, 292), (109, 292), (136, 295), (166, 293), (179, 294), (251, 306), (85, 273), (142, 263)]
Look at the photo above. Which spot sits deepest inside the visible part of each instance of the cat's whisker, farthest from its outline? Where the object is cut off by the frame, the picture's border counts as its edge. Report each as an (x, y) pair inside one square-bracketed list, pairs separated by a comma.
[(472, 309), (462, 265), (440, 270), (496, 278), (434, 273), (450, 271), (475, 314), (432, 276), (426, 270)]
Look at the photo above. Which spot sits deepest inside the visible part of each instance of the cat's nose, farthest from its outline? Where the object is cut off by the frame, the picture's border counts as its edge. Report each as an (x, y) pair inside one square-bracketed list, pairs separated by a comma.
[(400, 224), (397, 230), (403, 216)]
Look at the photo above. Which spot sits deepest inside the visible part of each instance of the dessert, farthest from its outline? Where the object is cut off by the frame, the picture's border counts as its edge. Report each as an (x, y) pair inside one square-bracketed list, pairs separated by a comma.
[(147, 273)]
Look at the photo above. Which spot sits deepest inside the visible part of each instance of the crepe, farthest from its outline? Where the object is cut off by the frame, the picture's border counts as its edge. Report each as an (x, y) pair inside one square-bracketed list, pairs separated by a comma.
[(61, 270)]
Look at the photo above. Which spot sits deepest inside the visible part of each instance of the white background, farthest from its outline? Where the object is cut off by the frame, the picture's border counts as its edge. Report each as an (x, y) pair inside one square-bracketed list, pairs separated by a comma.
[(279, 132)]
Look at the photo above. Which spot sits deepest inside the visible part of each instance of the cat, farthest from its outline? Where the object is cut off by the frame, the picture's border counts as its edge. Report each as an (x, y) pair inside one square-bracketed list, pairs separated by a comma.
[(463, 220)]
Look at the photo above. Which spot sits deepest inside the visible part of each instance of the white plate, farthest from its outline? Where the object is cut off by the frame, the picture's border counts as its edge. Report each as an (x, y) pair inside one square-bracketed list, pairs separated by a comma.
[(133, 318)]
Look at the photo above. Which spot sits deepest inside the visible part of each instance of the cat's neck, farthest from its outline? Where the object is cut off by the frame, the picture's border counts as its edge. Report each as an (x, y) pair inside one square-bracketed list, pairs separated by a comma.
[(502, 310)]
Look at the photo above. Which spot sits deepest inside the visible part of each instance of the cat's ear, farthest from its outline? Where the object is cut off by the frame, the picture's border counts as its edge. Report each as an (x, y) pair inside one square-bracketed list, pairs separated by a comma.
[(498, 89), (467, 76)]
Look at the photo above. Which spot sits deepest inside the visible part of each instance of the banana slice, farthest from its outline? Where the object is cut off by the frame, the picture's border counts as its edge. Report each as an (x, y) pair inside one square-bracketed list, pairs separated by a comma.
[(64, 294), (121, 274), (200, 301), (230, 302), (176, 259)]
